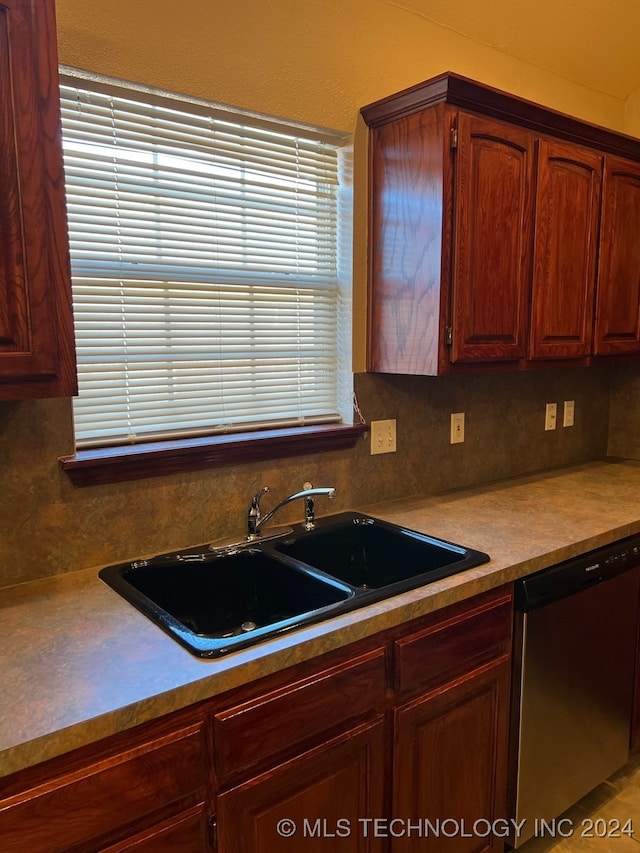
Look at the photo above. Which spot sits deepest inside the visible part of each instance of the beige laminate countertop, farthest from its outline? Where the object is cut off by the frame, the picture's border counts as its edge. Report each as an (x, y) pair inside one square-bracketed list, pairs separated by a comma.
[(78, 663)]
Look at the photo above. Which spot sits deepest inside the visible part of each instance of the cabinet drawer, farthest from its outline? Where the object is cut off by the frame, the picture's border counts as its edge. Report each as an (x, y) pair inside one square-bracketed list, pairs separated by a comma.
[(284, 721), (453, 646), (96, 800), (185, 833)]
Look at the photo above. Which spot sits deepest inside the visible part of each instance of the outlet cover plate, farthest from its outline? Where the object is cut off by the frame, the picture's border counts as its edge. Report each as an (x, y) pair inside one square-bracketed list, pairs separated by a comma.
[(568, 417), (457, 428)]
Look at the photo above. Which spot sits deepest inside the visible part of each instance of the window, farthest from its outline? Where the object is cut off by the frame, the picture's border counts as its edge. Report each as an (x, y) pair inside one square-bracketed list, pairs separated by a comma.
[(210, 263)]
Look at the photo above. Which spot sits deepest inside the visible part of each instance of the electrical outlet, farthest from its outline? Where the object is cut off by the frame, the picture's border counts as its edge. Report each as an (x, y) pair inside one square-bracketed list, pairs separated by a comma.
[(457, 428), (550, 416), (383, 437), (569, 413)]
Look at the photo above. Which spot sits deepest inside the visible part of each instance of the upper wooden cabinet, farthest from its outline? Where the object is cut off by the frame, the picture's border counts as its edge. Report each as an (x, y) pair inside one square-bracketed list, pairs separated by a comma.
[(37, 354), (618, 315), (566, 234), (487, 217), (492, 240), (407, 245)]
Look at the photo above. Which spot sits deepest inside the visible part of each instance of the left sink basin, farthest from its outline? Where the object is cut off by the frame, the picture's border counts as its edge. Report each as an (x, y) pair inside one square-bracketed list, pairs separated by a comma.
[(215, 604)]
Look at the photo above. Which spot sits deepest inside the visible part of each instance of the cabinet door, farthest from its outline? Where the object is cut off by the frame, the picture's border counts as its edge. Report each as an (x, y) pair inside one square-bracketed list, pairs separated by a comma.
[(36, 329), (566, 228), (450, 763), (317, 799), (492, 240), (618, 299)]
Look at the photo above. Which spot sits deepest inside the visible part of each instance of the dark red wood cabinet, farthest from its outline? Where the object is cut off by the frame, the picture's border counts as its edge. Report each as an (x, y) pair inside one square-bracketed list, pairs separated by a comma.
[(449, 762), (564, 254), (145, 790), (323, 794), (617, 328), (501, 233), (493, 204), (450, 721), (305, 759), (37, 350)]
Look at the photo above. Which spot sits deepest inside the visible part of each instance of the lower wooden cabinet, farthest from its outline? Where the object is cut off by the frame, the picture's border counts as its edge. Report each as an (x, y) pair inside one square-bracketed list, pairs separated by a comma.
[(311, 803), (449, 764), (431, 746), (350, 751), (138, 796)]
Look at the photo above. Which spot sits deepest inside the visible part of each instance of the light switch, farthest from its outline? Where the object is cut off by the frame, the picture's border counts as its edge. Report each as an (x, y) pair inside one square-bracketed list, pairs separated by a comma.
[(550, 416)]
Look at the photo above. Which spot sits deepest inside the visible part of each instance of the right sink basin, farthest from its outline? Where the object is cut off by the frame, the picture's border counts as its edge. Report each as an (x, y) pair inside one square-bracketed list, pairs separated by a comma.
[(370, 554)]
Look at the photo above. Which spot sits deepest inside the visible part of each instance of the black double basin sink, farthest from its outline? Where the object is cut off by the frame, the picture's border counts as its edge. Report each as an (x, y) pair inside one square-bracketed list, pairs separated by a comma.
[(216, 601)]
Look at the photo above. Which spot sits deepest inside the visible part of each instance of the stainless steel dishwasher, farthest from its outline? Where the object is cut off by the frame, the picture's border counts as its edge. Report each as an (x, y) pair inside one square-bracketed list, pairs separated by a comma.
[(575, 631)]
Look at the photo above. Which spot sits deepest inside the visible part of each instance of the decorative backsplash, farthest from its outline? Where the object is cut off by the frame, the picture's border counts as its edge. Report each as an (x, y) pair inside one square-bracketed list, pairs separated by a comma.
[(49, 527)]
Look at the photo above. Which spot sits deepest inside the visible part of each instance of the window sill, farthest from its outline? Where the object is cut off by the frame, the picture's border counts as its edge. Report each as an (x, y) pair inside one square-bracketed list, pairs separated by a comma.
[(99, 466)]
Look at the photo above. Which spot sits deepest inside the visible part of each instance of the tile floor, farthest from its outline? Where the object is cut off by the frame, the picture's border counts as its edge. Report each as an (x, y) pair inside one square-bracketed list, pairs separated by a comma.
[(617, 799)]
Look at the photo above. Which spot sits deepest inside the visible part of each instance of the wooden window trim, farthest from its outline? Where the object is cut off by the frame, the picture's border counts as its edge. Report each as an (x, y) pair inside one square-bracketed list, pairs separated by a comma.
[(98, 466)]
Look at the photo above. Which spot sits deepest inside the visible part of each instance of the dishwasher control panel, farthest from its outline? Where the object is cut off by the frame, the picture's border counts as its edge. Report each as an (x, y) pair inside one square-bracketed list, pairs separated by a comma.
[(575, 574)]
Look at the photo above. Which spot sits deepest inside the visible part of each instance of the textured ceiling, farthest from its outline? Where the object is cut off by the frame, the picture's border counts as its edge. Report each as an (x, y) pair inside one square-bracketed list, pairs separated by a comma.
[(592, 42)]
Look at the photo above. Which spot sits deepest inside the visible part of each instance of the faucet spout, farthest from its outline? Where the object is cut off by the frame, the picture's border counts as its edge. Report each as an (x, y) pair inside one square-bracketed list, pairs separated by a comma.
[(256, 521)]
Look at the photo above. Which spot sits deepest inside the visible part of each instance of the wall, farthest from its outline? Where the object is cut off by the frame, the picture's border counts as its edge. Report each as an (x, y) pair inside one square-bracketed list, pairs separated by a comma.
[(624, 424), (632, 114), (51, 527), (316, 61)]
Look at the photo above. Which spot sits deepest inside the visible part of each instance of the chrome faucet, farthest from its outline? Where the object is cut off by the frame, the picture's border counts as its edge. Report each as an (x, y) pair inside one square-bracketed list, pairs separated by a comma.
[(256, 521)]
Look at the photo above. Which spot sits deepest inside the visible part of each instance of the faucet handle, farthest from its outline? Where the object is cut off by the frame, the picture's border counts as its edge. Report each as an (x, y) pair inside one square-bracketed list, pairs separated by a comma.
[(254, 516), (309, 513)]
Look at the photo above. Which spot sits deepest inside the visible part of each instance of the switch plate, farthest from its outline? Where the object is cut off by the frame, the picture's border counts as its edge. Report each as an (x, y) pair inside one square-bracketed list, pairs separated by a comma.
[(569, 413), (457, 428), (550, 416), (383, 437)]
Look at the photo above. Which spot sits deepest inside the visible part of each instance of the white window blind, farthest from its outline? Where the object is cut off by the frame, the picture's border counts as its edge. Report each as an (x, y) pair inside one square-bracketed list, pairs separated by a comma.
[(204, 251)]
